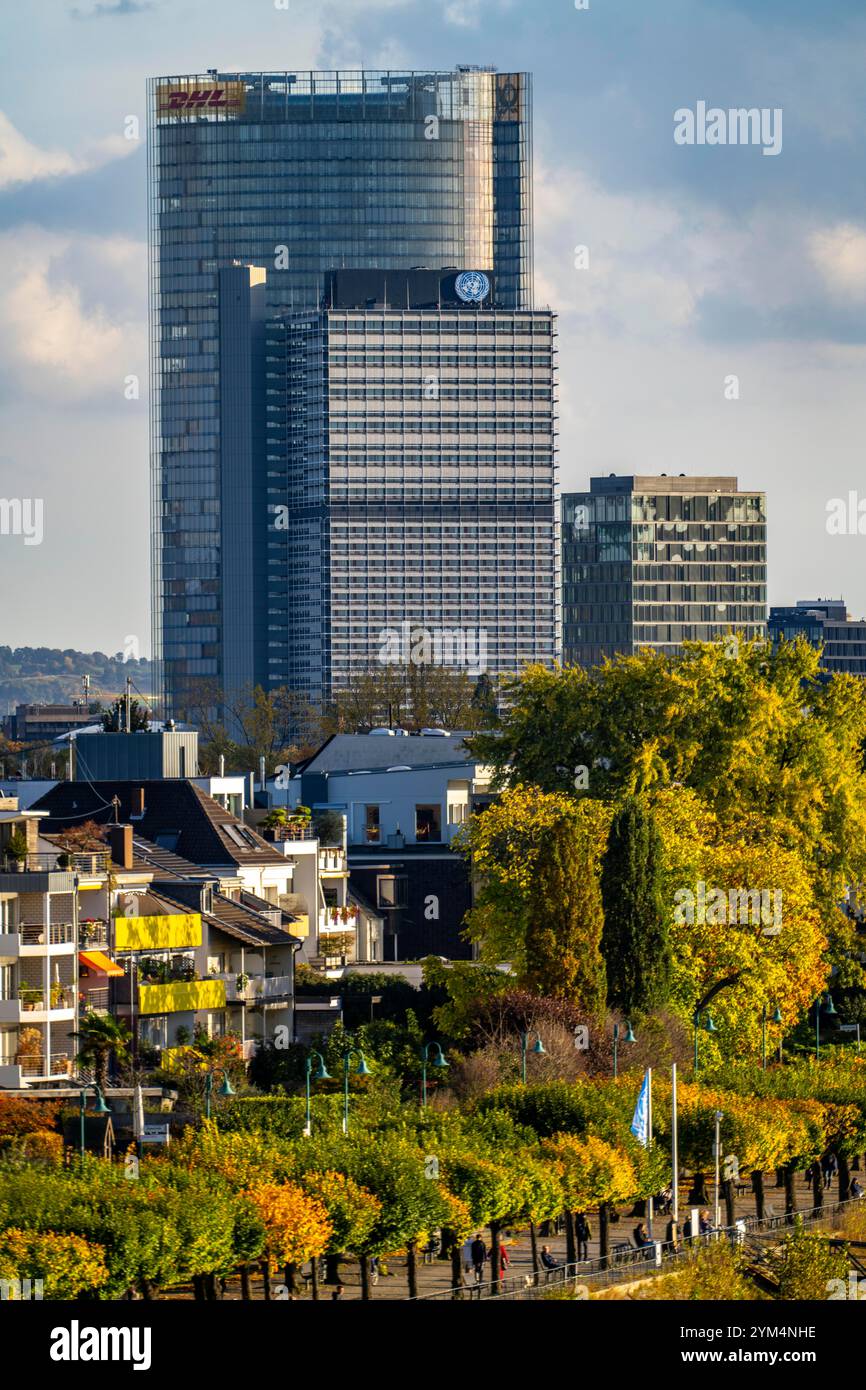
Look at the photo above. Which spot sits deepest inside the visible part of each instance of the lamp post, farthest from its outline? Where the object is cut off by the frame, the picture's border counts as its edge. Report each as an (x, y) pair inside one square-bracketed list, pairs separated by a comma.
[(361, 1070), (777, 1018), (322, 1074), (708, 1027), (438, 1061), (538, 1048), (828, 1008), (226, 1089), (100, 1107), (629, 1037)]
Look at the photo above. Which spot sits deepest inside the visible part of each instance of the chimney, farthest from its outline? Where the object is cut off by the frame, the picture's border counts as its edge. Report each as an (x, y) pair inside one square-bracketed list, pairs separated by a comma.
[(120, 842), (136, 802)]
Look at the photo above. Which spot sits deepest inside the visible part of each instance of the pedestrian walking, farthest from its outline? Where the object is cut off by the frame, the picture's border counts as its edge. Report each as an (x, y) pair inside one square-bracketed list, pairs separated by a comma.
[(479, 1256), (466, 1254), (582, 1235), (830, 1167)]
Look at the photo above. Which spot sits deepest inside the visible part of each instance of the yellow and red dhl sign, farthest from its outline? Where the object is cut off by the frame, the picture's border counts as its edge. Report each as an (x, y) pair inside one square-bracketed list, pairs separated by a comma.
[(193, 99)]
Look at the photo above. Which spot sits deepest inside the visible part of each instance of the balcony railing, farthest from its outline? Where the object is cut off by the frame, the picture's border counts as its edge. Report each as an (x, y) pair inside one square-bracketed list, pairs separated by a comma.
[(92, 934), (37, 1064), (58, 862), (95, 1000), (35, 1000), (37, 934)]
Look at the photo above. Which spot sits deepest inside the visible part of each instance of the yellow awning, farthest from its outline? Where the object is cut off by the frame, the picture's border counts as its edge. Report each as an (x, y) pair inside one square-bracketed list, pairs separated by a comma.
[(97, 960)]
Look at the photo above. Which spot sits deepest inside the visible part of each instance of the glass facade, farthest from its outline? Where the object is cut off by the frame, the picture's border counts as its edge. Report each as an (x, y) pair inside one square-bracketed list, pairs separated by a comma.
[(654, 562), (824, 623), (413, 453), (299, 173)]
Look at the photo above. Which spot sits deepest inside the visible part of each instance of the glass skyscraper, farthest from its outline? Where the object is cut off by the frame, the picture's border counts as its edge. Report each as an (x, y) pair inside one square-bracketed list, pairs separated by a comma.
[(411, 457), (656, 561), (295, 174)]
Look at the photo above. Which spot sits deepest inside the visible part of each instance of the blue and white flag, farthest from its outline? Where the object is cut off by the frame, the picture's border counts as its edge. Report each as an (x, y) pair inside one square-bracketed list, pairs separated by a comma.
[(640, 1122)]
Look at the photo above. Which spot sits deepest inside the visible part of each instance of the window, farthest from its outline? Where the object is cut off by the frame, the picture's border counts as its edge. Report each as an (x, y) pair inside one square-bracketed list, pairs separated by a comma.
[(428, 823), (457, 811), (392, 890), (8, 914), (153, 1032), (372, 827)]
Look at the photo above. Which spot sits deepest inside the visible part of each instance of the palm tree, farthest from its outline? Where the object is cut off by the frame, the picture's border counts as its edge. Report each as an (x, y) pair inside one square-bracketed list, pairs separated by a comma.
[(102, 1037)]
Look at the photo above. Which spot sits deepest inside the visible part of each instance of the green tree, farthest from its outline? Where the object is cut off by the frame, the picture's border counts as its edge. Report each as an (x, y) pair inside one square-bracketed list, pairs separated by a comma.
[(99, 1039), (635, 941)]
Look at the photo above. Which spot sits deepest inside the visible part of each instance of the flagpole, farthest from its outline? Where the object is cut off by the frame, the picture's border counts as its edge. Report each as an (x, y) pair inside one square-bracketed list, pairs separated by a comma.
[(675, 1158), (649, 1139)]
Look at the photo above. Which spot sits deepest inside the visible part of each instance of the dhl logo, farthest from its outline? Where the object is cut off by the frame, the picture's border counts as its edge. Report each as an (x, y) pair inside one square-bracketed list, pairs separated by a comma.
[(227, 98)]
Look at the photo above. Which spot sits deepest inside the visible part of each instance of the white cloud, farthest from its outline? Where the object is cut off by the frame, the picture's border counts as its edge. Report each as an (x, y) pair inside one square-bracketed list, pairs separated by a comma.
[(57, 344), (839, 255), (23, 162)]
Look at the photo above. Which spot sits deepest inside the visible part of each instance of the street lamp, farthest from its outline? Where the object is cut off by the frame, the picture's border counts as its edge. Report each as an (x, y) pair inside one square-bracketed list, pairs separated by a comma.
[(628, 1037), (537, 1047), (438, 1061), (828, 1009), (708, 1027), (226, 1089), (777, 1018), (322, 1074), (100, 1108), (361, 1070)]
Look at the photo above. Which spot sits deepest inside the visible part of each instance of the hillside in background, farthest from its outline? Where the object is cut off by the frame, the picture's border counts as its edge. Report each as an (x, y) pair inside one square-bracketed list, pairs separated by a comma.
[(47, 675)]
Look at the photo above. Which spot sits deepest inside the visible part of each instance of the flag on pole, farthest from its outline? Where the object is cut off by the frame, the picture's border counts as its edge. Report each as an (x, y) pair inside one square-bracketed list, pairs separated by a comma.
[(640, 1122)]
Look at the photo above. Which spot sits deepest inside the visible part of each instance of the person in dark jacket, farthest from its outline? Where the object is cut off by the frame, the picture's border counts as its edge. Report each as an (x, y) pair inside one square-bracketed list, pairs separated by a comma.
[(479, 1255), (547, 1260), (582, 1235)]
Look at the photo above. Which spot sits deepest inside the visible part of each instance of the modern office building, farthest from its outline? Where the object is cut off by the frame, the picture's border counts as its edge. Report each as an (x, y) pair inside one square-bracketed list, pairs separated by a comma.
[(411, 483), (656, 561), (826, 623), (293, 175)]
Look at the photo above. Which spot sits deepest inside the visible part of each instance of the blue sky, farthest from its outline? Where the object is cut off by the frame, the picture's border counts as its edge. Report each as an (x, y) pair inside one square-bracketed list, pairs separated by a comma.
[(705, 262)]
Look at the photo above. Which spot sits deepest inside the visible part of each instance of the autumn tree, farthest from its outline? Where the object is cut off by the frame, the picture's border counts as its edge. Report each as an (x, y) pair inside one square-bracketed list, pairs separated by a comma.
[(539, 904)]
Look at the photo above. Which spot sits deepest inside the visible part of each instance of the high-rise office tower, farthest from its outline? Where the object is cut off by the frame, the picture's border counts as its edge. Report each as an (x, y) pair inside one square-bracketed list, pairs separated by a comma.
[(416, 431), (826, 623), (656, 561), (295, 175)]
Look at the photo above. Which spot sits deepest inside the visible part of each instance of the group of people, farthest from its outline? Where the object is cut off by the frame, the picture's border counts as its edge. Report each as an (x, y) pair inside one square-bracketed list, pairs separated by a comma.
[(476, 1255)]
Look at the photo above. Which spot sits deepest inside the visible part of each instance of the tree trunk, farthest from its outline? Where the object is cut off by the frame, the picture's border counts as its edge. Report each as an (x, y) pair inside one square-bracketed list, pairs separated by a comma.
[(266, 1280), (533, 1241), (314, 1278), (246, 1291), (212, 1292), (456, 1271), (198, 1288), (146, 1290), (817, 1187), (758, 1189), (332, 1269), (447, 1242), (291, 1277), (495, 1266), (780, 1177), (844, 1178), (698, 1196), (790, 1195), (412, 1267), (570, 1247), (729, 1196), (603, 1233), (364, 1263)]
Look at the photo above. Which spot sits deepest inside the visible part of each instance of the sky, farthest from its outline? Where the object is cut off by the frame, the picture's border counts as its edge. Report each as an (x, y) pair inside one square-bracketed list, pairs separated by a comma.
[(713, 324)]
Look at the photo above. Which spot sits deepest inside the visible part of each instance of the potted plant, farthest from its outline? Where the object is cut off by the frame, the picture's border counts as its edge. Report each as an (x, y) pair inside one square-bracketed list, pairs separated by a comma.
[(16, 849), (30, 996), (241, 982)]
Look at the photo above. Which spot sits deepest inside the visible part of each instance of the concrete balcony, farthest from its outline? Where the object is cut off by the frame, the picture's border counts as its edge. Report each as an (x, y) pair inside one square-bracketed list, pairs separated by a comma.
[(15, 1075), (37, 1008)]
